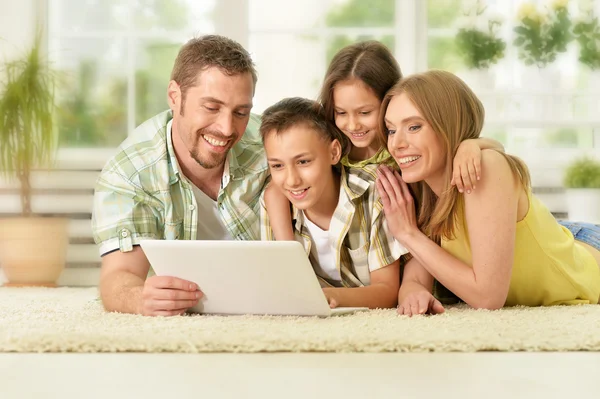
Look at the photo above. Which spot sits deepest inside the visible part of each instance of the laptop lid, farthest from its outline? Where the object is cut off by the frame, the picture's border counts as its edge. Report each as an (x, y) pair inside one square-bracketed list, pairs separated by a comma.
[(243, 277)]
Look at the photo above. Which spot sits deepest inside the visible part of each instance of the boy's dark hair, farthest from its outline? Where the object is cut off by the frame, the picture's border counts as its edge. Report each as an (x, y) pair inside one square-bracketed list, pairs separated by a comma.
[(208, 51), (294, 111)]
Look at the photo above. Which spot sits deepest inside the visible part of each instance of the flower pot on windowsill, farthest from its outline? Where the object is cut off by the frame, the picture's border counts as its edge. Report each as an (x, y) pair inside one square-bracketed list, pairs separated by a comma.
[(582, 181), (593, 88), (583, 205), (542, 88), (479, 80)]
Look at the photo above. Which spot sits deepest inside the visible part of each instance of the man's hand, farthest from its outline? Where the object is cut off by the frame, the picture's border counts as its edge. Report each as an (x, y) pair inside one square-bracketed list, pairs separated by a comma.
[(168, 296), (331, 297), (420, 302)]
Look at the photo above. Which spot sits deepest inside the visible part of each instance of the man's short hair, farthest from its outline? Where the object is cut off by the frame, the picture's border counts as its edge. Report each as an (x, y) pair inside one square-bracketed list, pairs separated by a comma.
[(208, 51), (294, 111)]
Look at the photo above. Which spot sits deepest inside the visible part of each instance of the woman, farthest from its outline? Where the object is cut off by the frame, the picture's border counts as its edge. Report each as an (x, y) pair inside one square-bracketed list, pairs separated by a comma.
[(499, 245)]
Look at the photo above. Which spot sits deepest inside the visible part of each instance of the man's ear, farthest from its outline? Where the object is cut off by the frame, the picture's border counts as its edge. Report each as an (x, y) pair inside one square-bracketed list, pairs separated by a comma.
[(174, 97), (336, 151)]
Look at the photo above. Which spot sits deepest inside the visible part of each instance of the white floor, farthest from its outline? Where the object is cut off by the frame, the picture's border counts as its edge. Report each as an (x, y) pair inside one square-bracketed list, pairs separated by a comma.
[(428, 375)]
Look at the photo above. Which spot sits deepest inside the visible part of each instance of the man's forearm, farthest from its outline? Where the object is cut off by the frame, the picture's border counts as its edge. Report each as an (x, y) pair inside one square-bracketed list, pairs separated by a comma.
[(372, 296), (121, 291)]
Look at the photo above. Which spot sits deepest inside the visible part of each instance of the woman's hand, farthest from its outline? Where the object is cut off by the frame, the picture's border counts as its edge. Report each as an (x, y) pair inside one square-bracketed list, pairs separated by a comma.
[(466, 169), (420, 302), (398, 203)]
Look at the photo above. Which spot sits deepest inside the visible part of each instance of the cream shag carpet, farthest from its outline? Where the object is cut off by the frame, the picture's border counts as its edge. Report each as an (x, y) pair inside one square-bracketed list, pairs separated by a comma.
[(72, 320)]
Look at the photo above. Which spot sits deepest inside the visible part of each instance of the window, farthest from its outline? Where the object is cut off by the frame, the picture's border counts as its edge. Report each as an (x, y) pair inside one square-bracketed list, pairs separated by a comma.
[(547, 115), (117, 56)]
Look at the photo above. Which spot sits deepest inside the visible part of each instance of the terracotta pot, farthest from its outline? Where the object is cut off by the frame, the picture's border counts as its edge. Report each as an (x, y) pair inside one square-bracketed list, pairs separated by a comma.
[(33, 250)]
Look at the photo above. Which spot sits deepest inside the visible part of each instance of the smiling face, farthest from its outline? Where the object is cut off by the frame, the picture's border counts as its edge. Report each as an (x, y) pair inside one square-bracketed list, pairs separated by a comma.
[(418, 150), (356, 112), (301, 161), (212, 117)]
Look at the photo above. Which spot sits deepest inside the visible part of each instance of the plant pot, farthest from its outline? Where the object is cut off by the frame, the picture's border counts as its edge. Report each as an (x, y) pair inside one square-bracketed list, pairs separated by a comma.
[(479, 80), (592, 89), (583, 205), (33, 250), (541, 98)]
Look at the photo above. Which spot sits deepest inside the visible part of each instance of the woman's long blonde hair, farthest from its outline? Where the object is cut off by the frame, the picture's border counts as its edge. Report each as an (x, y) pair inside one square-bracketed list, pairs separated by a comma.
[(455, 113)]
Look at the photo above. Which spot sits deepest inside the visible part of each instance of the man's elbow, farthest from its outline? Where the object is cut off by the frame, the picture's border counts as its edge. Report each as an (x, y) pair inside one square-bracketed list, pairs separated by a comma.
[(106, 297)]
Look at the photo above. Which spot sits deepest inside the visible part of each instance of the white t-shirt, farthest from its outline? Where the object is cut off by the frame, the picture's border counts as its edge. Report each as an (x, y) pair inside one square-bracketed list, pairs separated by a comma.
[(210, 225), (322, 251)]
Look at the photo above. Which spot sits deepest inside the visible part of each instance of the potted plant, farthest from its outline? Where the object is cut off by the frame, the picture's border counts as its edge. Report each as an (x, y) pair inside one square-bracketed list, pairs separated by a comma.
[(587, 34), (479, 43), (32, 248), (582, 181), (540, 36)]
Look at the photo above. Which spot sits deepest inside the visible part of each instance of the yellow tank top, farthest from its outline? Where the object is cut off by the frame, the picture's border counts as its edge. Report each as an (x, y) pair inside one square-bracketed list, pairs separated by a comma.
[(549, 267)]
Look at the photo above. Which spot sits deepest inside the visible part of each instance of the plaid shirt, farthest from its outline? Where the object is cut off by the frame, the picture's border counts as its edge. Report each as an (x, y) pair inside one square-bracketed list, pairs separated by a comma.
[(142, 194), (359, 236)]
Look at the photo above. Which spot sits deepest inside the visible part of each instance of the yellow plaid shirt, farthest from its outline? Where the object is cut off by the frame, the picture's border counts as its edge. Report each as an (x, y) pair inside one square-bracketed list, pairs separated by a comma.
[(359, 236), (142, 194)]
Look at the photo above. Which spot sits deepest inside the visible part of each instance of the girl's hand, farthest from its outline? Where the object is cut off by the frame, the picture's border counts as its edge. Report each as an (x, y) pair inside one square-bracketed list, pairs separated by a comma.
[(466, 166), (398, 203), (420, 302)]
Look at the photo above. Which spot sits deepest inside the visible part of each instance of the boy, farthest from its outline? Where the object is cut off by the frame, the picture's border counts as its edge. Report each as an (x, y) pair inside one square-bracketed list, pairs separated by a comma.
[(337, 215)]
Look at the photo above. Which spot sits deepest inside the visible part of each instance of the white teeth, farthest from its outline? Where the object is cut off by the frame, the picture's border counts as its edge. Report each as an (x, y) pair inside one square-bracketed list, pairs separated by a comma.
[(408, 159), (358, 134), (298, 192), (214, 142)]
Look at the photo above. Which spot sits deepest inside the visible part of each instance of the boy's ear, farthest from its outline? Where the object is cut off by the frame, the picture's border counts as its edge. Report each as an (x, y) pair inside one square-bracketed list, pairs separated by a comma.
[(174, 97), (336, 151)]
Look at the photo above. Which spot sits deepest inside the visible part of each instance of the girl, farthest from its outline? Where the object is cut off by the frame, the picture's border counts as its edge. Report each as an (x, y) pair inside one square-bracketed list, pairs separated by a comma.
[(338, 217), (355, 83), (500, 245)]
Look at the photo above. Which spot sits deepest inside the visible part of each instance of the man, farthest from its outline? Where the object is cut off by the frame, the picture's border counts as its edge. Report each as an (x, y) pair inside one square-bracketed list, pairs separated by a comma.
[(194, 172)]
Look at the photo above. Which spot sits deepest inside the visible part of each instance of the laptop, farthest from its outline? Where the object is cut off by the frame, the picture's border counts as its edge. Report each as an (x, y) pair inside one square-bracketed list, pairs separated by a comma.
[(244, 277)]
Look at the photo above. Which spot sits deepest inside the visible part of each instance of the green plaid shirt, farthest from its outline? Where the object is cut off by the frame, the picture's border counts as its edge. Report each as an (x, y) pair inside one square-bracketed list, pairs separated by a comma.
[(142, 194), (359, 236)]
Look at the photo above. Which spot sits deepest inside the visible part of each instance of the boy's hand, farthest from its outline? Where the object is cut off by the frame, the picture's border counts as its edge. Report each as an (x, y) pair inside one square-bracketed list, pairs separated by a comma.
[(331, 297)]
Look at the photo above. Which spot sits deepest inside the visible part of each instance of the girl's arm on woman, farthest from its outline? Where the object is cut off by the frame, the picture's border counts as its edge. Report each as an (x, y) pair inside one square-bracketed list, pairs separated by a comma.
[(280, 216), (491, 217), (381, 293), (466, 167)]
